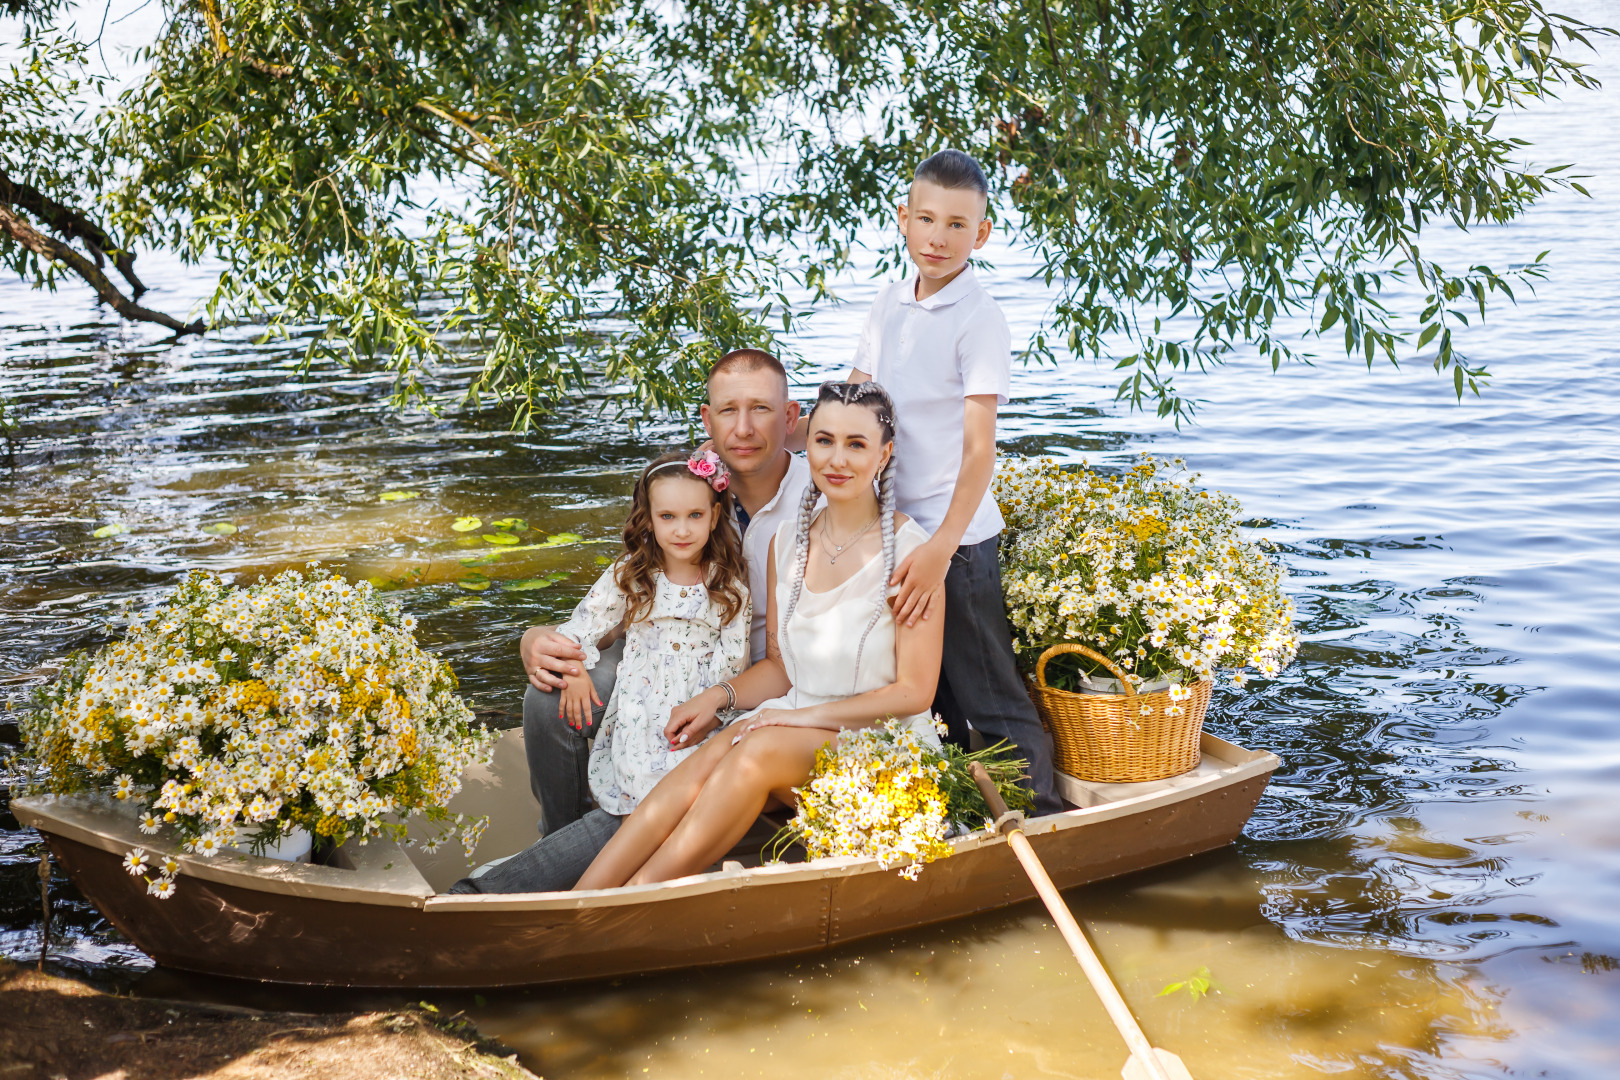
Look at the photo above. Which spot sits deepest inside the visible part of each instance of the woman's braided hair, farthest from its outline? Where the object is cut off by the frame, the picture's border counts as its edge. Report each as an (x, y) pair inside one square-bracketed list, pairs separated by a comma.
[(874, 397)]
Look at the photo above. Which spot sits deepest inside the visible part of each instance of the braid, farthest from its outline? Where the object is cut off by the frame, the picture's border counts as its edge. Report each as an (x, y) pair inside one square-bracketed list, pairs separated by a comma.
[(801, 560), (886, 516)]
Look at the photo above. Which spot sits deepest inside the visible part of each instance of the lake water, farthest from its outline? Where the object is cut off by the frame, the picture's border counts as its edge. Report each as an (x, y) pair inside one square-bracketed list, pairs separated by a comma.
[(1428, 889)]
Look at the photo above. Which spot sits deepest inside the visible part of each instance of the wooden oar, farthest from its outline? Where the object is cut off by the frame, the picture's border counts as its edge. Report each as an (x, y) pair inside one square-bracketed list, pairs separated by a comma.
[(1147, 1062)]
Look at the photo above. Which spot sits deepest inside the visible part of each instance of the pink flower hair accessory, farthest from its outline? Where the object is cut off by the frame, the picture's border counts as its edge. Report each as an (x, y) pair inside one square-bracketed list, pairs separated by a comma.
[(706, 465)]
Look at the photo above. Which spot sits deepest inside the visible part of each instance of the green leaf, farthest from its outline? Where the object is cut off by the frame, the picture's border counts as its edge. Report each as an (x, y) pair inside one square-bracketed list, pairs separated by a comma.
[(114, 529), (529, 584), (474, 583), (220, 528), (466, 524), (500, 538), (514, 523), (561, 540), (398, 496)]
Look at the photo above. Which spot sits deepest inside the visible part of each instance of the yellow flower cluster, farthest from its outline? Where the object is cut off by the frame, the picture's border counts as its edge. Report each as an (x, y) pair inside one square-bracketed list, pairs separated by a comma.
[(298, 702), (877, 795), (1144, 567)]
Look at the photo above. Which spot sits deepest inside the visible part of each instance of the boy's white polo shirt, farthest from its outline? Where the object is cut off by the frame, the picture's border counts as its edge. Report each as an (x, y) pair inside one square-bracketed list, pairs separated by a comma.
[(931, 355), (756, 542)]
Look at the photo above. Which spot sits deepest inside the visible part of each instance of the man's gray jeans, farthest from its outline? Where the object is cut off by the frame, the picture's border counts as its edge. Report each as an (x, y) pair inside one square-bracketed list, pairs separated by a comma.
[(574, 833), (558, 755), (553, 863)]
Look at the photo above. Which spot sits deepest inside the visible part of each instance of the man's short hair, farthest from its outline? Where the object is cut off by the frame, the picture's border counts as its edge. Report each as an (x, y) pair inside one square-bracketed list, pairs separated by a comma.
[(953, 169), (742, 360)]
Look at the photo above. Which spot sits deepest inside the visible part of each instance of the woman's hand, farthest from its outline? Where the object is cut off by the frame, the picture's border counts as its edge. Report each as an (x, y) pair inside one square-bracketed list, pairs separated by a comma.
[(691, 721), (804, 718), (578, 695)]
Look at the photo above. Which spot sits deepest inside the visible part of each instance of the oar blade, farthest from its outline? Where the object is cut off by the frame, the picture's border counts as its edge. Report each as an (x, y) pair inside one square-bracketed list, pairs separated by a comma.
[(1174, 1068)]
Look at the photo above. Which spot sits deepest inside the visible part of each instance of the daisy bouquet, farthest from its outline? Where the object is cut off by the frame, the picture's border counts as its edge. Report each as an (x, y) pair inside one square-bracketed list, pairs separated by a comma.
[(1145, 567), (301, 702), (881, 793)]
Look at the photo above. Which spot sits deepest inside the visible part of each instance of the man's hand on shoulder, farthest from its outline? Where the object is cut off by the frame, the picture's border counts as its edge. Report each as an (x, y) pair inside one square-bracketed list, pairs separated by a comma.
[(547, 656), (921, 580)]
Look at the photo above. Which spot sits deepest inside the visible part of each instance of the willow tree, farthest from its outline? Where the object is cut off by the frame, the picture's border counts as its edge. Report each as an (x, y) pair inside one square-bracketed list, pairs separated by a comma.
[(589, 190)]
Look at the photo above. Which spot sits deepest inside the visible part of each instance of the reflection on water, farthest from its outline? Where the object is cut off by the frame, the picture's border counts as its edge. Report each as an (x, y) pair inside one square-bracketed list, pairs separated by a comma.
[(1428, 889), (999, 997)]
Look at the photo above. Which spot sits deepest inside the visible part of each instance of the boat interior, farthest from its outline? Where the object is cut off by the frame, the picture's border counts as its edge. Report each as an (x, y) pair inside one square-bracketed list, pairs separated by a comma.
[(387, 872)]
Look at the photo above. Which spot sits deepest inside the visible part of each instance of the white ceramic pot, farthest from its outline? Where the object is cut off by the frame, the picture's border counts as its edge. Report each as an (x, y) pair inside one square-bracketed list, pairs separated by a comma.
[(293, 847)]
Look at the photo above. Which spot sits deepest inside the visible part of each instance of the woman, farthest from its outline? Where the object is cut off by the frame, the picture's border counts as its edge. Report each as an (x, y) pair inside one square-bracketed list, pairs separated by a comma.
[(835, 657)]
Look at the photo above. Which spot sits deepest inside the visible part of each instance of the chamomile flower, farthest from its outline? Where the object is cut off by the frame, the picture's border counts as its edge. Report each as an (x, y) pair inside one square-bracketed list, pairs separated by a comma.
[(245, 747), (135, 862)]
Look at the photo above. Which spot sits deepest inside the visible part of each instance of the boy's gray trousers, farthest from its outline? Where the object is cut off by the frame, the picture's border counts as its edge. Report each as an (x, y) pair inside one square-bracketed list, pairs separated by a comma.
[(978, 679)]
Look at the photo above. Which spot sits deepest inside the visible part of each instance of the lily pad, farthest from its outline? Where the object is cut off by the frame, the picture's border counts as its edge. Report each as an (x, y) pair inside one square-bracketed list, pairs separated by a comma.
[(529, 584), (466, 524), (515, 524), (482, 560), (474, 583), (500, 538), (562, 539), (397, 496), (110, 530), (220, 528), (603, 560)]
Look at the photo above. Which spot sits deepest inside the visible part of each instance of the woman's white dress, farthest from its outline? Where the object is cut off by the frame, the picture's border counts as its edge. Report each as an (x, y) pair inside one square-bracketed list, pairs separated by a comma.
[(673, 653), (820, 641)]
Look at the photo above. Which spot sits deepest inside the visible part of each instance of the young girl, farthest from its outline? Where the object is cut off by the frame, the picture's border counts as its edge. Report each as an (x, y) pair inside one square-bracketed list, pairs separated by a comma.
[(680, 594)]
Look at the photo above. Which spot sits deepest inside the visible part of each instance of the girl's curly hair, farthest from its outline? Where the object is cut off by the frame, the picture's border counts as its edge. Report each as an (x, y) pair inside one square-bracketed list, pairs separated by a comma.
[(724, 572)]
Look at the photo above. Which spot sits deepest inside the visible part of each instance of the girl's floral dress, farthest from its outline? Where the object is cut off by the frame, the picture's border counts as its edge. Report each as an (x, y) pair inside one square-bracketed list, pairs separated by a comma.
[(676, 651)]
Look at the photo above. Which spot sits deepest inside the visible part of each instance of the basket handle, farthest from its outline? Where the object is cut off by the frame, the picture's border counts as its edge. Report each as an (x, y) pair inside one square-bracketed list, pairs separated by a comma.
[(1070, 647)]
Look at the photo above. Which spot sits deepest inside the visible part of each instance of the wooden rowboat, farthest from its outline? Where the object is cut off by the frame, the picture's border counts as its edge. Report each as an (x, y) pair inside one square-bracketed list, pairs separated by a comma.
[(379, 919)]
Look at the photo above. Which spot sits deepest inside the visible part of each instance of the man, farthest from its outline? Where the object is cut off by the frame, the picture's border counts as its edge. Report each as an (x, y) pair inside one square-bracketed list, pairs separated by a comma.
[(749, 417)]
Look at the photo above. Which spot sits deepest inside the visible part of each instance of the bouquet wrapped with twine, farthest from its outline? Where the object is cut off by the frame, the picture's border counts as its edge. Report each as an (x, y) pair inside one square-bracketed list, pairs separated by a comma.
[(882, 793)]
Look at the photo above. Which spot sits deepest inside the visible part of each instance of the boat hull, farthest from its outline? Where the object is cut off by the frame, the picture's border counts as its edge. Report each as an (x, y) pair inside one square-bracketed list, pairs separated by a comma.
[(234, 924)]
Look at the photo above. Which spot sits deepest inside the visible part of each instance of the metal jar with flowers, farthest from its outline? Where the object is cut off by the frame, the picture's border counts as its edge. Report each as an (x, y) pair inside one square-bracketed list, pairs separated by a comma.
[(241, 715)]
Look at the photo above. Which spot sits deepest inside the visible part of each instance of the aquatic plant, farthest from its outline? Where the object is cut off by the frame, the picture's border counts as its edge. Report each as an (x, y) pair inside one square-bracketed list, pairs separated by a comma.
[(1145, 567), (238, 714)]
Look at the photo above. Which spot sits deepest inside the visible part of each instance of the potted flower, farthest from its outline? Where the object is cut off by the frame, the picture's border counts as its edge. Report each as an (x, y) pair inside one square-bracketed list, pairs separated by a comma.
[(264, 717), (1127, 595)]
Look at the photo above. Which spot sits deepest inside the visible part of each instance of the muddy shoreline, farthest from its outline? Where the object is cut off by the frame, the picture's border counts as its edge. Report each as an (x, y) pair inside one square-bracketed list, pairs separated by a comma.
[(59, 1028)]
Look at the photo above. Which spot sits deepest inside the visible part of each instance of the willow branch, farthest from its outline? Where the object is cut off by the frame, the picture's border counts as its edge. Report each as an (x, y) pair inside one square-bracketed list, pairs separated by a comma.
[(71, 223), (15, 228)]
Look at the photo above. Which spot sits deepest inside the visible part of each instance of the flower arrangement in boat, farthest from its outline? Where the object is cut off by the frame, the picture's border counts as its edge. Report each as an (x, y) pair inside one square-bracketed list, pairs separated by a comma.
[(881, 793), (1144, 567), (301, 702)]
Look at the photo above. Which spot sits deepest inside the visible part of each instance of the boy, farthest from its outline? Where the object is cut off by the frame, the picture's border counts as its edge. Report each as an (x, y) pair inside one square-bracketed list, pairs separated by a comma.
[(941, 348)]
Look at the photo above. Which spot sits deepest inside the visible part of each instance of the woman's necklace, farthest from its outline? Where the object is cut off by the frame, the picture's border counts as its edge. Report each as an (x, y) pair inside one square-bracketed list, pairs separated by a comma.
[(838, 549)]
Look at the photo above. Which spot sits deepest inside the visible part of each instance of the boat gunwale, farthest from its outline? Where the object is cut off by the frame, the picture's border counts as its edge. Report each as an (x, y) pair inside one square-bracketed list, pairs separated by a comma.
[(379, 879), (1241, 764)]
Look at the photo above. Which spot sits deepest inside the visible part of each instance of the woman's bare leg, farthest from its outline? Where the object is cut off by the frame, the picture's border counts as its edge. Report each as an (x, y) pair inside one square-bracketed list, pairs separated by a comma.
[(769, 759), (656, 817)]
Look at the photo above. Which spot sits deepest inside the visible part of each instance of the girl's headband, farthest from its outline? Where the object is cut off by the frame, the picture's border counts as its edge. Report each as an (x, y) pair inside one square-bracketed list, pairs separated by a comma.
[(703, 464)]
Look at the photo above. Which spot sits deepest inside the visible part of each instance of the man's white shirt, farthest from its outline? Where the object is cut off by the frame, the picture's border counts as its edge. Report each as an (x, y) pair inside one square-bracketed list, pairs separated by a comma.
[(931, 355), (756, 542)]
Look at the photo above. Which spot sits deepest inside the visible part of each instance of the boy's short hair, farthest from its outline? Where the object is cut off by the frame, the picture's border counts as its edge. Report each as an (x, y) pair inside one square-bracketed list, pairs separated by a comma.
[(953, 169), (741, 360)]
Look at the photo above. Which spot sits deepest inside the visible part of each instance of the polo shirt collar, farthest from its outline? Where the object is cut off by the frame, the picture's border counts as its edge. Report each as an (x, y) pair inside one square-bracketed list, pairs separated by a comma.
[(960, 286)]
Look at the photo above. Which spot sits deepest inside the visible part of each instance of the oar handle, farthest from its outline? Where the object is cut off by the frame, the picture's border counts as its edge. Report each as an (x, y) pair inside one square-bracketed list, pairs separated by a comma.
[(1090, 963), (992, 797)]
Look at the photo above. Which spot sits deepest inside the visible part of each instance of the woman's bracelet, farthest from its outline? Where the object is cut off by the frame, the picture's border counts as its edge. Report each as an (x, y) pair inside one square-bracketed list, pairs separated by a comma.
[(731, 694)]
